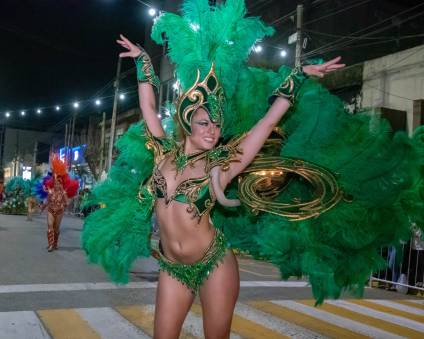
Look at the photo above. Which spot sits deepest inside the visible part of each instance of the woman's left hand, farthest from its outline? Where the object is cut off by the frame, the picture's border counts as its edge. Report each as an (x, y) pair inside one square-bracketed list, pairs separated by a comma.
[(323, 69)]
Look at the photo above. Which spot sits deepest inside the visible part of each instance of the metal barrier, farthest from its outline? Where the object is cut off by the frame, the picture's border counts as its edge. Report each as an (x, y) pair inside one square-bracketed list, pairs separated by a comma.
[(404, 266)]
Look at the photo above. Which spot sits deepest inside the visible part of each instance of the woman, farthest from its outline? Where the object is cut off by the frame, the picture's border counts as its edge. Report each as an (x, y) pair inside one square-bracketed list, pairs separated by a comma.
[(186, 233), (324, 179), (60, 188)]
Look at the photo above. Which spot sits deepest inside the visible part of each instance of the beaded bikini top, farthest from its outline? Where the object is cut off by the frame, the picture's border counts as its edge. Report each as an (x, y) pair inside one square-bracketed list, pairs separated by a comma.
[(195, 192)]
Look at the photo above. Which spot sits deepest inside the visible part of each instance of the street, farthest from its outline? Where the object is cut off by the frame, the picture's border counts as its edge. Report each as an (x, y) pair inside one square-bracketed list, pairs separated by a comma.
[(58, 295)]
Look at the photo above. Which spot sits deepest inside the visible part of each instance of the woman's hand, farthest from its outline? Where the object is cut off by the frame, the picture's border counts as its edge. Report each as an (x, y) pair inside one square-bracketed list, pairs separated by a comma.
[(133, 50), (323, 69)]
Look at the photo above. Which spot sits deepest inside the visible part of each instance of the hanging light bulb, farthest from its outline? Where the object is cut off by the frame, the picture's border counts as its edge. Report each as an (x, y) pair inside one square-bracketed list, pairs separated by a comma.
[(257, 49)]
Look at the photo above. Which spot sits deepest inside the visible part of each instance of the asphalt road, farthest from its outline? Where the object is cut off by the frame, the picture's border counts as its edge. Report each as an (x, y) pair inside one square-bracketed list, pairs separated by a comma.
[(37, 287)]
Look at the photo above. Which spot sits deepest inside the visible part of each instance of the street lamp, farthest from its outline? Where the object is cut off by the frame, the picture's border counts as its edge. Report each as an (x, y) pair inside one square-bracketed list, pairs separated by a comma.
[(57, 108), (38, 111), (98, 102), (152, 12), (76, 105), (283, 53), (23, 113)]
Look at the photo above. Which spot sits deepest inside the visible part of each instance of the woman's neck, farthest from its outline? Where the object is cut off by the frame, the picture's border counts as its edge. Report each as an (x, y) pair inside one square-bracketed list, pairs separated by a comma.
[(189, 148)]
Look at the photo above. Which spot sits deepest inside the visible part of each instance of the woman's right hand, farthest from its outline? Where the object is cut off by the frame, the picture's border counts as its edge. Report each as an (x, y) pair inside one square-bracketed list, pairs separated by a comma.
[(133, 50)]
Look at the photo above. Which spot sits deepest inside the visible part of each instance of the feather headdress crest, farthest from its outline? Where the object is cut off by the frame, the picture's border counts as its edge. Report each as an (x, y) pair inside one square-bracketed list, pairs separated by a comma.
[(208, 42)]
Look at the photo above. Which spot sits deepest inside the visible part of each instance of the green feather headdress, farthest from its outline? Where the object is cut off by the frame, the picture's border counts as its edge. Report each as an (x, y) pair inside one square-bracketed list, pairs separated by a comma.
[(206, 35)]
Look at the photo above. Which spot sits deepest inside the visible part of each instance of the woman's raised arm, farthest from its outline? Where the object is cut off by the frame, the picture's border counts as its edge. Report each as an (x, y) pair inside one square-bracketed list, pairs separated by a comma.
[(285, 96), (146, 81)]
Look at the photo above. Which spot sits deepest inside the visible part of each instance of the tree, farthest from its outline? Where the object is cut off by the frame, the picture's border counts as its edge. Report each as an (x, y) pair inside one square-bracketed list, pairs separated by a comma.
[(91, 137)]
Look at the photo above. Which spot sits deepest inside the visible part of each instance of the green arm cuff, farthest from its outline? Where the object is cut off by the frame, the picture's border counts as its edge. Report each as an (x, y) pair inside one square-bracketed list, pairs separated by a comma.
[(145, 71), (290, 87)]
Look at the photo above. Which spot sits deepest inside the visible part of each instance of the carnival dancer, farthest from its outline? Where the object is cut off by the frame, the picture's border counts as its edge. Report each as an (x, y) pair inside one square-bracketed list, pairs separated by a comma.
[(60, 188), (326, 192)]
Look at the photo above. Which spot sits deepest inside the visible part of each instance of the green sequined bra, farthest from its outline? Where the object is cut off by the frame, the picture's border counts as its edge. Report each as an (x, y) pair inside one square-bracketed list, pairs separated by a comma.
[(195, 192)]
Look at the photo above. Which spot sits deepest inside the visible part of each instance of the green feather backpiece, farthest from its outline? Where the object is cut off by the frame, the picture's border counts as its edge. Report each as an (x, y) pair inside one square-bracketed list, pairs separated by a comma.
[(380, 172)]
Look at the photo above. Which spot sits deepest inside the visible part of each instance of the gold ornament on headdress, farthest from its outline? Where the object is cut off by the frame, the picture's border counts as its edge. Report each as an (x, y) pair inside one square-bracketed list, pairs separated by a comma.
[(207, 94)]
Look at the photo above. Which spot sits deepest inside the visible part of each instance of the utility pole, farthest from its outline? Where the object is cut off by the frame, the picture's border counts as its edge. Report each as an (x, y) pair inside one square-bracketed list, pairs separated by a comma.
[(113, 122), (2, 142), (65, 141), (34, 159), (71, 143), (299, 23), (102, 144)]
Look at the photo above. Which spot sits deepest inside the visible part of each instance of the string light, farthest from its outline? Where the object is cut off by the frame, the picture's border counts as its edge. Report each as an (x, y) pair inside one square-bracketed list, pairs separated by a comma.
[(38, 111), (257, 49), (7, 115), (57, 108), (23, 113), (76, 104), (98, 102)]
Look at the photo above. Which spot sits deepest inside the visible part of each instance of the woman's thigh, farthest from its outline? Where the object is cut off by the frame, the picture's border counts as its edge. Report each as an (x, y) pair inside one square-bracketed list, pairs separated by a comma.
[(50, 221), (173, 302), (57, 221), (218, 296)]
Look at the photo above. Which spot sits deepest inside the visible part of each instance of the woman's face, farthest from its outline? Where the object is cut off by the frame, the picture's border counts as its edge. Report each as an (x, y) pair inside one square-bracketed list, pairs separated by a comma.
[(204, 133)]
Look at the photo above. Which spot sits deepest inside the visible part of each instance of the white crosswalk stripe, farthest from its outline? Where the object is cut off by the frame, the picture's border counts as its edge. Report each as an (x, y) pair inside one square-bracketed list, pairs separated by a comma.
[(354, 326), (21, 324), (379, 315), (274, 323), (400, 307), (109, 324)]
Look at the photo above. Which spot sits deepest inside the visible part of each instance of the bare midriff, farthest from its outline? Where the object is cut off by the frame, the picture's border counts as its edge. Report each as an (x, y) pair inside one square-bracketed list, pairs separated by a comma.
[(184, 239), (184, 236)]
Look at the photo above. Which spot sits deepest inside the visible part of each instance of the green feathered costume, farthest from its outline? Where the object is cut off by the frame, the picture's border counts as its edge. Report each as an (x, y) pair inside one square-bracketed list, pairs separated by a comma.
[(380, 173)]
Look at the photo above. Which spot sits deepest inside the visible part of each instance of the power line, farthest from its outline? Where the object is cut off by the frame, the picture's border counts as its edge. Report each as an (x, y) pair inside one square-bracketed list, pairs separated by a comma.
[(365, 37), (340, 43), (337, 11)]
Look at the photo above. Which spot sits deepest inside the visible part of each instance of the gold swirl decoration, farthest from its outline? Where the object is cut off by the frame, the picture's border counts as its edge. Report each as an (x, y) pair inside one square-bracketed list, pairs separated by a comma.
[(269, 176)]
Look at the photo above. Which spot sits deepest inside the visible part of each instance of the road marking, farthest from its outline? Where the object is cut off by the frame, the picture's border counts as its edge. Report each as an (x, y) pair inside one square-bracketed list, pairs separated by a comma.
[(246, 328), (404, 308), (337, 320), (276, 324), (365, 317), (305, 320), (27, 288), (257, 319), (22, 324), (67, 324), (143, 317), (409, 303), (259, 274), (390, 310), (109, 324), (379, 314)]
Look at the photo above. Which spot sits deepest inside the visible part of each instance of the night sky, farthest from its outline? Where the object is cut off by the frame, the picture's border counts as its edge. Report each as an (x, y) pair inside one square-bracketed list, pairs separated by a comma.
[(57, 51), (54, 52)]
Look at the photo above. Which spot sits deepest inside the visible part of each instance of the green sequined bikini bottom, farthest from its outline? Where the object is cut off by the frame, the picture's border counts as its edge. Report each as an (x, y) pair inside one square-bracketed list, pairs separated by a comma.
[(193, 275)]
